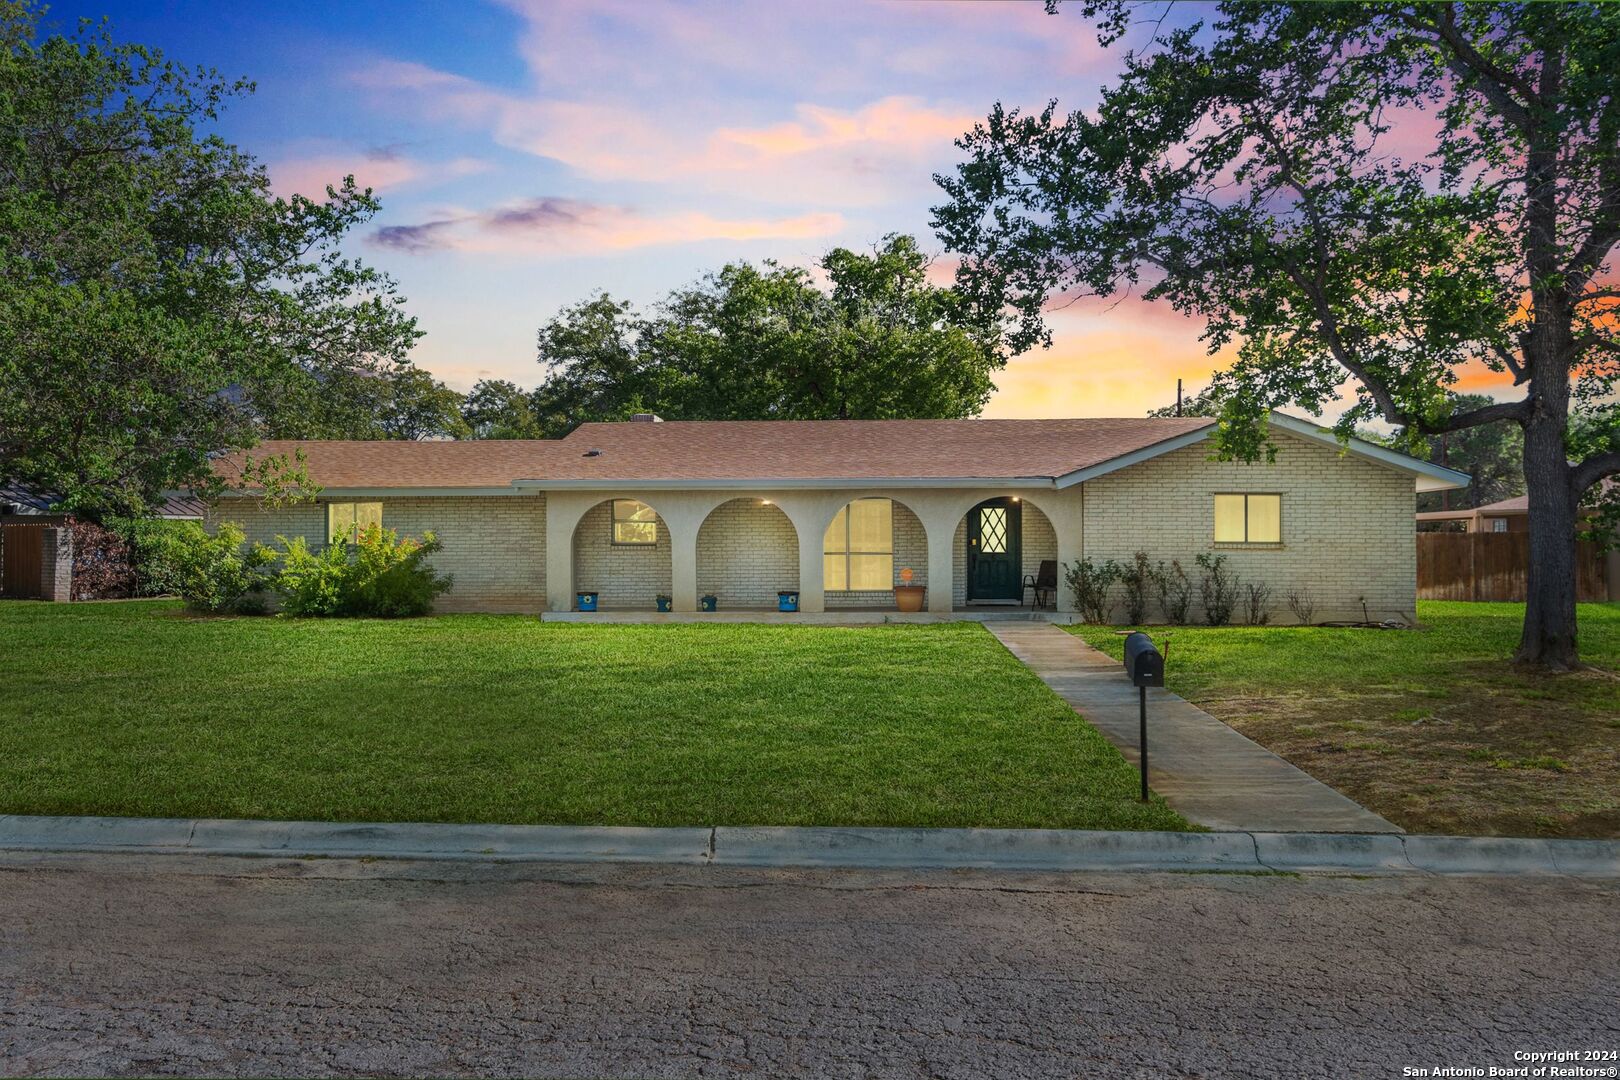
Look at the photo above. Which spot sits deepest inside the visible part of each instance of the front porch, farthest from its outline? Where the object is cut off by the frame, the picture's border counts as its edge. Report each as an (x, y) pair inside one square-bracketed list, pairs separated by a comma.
[(845, 553)]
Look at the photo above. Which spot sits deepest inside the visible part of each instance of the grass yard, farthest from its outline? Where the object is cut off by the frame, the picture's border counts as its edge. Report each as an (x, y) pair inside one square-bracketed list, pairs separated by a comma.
[(1430, 728), (142, 709)]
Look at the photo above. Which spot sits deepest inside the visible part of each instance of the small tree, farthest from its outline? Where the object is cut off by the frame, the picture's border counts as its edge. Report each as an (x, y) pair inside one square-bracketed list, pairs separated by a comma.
[(1217, 589), (1091, 582), (1174, 589), (1257, 603), (1302, 604)]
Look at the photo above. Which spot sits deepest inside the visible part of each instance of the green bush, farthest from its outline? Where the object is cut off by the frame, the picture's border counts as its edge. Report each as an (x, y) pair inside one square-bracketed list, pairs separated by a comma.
[(1174, 589), (379, 575), (1217, 589), (217, 572), (1091, 582), (157, 552)]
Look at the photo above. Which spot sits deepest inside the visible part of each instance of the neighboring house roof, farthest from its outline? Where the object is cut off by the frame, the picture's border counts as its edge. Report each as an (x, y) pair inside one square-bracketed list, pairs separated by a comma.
[(1519, 504), (21, 500), (791, 453)]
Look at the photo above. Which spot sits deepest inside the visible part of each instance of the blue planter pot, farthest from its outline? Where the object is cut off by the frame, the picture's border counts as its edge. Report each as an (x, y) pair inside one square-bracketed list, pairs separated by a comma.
[(709, 603), (587, 601), (664, 603), (787, 600)]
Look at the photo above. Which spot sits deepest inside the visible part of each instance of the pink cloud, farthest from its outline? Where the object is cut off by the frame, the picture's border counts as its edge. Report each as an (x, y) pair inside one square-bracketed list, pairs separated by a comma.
[(825, 155), (378, 170), (562, 226)]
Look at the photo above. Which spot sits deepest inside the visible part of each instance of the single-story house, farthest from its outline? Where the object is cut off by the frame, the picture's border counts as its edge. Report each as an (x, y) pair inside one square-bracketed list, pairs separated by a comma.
[(1509, 515), (842, 511)]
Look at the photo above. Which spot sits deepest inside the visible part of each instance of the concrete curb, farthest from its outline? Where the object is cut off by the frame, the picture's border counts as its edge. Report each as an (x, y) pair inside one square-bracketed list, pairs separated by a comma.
[(772, 846)]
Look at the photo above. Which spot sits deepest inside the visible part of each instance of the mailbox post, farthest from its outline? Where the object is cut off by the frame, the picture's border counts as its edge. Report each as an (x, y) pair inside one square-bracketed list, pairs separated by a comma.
[(1144, 666)]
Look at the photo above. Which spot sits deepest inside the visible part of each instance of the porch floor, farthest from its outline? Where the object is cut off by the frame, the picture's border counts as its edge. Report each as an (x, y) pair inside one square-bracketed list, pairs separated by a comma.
[(840, 617)]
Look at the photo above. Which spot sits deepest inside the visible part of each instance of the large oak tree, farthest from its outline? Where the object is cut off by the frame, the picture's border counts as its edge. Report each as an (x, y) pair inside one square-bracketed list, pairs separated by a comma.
[(1376, 195), (159, 303), (770, 342)]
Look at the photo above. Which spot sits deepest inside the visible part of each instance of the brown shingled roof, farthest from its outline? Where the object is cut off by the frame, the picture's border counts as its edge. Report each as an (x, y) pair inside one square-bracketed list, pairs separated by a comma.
[(741, 450), (857, 449)]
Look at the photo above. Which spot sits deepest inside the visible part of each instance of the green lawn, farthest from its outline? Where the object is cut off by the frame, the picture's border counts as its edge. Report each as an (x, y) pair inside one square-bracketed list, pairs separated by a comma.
[(142, 709), (1431, 728)]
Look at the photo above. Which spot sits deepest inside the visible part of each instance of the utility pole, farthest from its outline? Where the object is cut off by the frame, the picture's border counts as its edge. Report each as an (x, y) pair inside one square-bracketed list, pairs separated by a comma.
[(1178, 397)]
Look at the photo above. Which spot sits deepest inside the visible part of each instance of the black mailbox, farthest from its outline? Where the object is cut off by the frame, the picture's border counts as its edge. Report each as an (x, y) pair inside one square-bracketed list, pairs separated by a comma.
[(1144, 664)]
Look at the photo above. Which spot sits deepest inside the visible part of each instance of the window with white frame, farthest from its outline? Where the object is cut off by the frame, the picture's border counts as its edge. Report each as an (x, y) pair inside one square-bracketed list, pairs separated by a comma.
[(858, 551), (635, 524), (1248, 519), (345, 519)]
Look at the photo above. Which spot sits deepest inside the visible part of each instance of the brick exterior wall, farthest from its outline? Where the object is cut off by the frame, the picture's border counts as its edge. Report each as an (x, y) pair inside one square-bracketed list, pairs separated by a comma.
[(56, 564), (746, 553), (494, 546), (1346, 536), (1039, 542), (910, 550), (1346, 525), (626, 575)]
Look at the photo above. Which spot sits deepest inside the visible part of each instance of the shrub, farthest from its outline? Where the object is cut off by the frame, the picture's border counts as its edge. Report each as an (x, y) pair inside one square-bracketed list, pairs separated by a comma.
[(1175, 591), (102, 567), (1302, 604), (1091, 582), (312, 583), (1217, 589), (1257, 603), (1137, 580), (156, 547), (218, 572), (380, 575)]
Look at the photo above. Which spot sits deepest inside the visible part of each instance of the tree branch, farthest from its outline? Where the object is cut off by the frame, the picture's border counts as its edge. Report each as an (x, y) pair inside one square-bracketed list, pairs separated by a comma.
[(1592, 470)]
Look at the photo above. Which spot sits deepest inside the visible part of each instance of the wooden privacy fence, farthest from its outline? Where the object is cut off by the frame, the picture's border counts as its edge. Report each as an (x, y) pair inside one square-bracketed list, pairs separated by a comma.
[(22, 561), (1493, 566)]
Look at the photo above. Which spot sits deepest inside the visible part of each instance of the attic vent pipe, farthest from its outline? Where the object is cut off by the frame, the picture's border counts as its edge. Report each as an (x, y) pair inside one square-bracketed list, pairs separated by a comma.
[(593, 453)]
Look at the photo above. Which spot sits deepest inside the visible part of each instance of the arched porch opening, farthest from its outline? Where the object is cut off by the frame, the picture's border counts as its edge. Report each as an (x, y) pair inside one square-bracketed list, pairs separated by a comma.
[(747, 552), (622, 553), (999, 542), (867, 548)]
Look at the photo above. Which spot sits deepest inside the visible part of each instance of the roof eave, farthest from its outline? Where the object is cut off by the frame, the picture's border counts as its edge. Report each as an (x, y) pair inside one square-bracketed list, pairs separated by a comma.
[(784, 483)]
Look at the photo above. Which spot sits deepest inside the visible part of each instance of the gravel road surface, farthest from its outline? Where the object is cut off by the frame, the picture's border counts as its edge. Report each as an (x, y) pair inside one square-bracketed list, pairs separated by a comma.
[(176, 965)]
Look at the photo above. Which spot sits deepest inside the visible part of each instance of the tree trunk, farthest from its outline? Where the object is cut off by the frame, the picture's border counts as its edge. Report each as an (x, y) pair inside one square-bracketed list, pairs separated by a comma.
[(1548, 640)]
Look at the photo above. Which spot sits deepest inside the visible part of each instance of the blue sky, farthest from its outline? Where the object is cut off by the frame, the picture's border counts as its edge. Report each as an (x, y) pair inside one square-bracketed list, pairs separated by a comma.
[(528, 153)]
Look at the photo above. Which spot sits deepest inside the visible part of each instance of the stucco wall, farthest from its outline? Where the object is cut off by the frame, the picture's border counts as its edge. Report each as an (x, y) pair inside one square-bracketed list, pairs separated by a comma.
[(494, 546), (910, 551), (1347, 530), (747, 552), (626, 575)]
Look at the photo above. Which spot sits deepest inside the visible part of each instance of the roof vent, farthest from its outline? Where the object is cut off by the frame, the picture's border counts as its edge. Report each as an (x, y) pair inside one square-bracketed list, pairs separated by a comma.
[(646, 418), (593, 452)]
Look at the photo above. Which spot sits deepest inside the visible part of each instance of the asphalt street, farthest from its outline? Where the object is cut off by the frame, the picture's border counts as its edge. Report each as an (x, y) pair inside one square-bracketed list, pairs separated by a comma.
[(185, 965)]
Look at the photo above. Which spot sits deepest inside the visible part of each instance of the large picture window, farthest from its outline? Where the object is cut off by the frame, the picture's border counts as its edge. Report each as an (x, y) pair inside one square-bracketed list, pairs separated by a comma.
[(635, 524), (1248, 519), (346, 519), (858, 551)]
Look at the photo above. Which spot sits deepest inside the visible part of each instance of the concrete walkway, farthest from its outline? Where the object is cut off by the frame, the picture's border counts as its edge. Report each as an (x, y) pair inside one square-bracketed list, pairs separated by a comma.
[(1214, 776)]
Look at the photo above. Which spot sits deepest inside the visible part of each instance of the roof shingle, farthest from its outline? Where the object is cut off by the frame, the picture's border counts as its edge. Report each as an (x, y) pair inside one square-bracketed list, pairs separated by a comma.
[(743, 450)]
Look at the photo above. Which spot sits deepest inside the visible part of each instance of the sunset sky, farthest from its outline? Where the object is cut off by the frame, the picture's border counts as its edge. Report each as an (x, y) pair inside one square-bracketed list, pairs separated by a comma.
[(529, 152)]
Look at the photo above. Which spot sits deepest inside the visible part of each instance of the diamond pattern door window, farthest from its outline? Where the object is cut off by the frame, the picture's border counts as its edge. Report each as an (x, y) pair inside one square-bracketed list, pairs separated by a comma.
[(993, 530)]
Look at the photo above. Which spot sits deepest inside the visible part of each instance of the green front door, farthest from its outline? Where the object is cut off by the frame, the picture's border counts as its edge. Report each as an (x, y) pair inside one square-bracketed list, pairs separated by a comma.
[(994, 540)]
